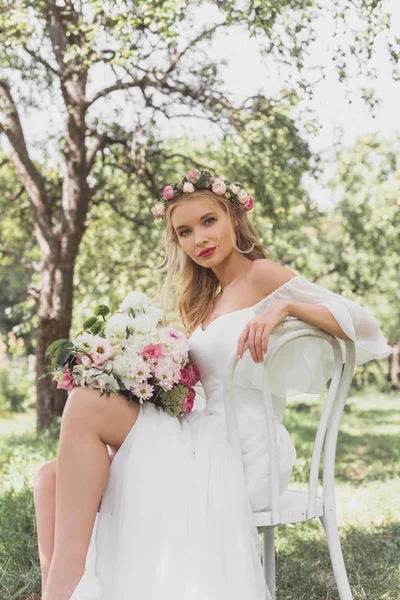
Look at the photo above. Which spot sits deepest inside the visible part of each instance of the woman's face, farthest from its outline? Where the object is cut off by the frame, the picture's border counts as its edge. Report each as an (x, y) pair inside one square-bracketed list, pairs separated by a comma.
[(198, 226)]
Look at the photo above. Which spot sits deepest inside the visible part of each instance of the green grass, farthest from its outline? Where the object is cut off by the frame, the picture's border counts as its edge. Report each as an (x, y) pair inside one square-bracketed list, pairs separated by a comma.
[(367, 497), (367, 501)]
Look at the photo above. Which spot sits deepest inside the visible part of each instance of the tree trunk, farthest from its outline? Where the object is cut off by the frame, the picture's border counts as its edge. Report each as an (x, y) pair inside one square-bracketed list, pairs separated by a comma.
[(395, 367), (54, 321)]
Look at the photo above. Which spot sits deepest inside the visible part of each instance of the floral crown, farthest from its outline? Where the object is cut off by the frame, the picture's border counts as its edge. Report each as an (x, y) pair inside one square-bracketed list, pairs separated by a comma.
[(196, 179)]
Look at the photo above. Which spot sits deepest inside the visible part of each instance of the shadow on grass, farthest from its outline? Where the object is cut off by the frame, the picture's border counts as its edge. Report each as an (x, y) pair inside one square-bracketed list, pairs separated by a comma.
[(362, 454), (371, 557)]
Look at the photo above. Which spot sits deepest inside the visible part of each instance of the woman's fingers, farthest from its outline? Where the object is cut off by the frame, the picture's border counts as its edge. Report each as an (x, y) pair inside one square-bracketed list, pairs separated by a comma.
[(256, 334)]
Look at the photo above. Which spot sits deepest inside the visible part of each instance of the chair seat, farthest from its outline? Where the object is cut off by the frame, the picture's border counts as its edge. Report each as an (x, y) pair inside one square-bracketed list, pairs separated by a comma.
[(293, 509)]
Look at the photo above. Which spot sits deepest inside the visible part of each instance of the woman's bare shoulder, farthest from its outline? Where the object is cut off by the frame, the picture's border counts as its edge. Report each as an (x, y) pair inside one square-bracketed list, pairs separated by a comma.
[(265, 276)]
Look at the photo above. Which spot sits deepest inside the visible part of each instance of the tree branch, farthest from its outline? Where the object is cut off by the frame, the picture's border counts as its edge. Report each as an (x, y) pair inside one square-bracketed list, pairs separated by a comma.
[(6, 250), (41, 60), (128, 217), (31, 178), (119, 85), (99, 143)]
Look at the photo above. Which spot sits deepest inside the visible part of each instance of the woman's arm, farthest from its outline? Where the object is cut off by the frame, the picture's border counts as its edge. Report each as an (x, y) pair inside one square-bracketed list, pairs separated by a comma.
[(318, 315)]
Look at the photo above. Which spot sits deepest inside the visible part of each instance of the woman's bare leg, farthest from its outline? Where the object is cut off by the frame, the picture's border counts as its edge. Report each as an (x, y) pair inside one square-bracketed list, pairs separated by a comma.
[(89, 422), (44, 494)]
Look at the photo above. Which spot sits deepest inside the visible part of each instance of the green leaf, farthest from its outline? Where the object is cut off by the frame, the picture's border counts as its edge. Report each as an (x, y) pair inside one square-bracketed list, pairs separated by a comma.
[(55, 345)]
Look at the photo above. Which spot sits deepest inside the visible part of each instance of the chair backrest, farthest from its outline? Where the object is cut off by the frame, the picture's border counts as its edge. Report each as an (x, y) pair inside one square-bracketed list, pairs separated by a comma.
[(328, 426)]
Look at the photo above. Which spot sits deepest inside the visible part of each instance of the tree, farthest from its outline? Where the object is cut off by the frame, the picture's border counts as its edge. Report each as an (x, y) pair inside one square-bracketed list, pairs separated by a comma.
[(52, 51)]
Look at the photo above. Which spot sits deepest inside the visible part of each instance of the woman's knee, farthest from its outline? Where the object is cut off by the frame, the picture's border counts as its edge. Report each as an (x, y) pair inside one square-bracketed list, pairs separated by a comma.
[(110, 417), (45, 479)]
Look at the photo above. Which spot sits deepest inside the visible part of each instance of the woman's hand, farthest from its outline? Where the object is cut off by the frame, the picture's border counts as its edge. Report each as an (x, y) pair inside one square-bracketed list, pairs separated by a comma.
[(257, 331)]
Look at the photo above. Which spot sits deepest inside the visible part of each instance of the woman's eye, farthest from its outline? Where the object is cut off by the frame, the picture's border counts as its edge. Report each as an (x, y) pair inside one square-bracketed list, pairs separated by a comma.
[(184, 230)]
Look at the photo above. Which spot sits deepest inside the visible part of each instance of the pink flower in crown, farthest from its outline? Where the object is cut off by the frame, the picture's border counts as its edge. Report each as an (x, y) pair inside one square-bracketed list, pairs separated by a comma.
[(189, 401), (67, 382), (158, 210), (243, 195), (219, 187), (248, 204), (193, 175), (194, 373), (168, 192), (102, 351)]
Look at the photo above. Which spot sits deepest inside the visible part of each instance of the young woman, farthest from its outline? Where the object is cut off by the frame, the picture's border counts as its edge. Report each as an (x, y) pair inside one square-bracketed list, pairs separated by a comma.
[(175, 516)]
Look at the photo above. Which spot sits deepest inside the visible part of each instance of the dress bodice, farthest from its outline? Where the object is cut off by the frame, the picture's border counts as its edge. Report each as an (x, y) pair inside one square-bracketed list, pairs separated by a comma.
[(211, 351)]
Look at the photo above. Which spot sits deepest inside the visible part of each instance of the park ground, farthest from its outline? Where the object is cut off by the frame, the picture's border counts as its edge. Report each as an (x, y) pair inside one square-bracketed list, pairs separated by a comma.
[(367, 497)]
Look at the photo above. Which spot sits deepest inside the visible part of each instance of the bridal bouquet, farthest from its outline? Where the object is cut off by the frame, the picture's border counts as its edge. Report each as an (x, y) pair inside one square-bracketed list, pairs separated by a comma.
[(129, 353)]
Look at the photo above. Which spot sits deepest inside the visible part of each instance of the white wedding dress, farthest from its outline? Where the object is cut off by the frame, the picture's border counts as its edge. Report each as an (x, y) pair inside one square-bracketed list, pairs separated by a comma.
[(176, 521)]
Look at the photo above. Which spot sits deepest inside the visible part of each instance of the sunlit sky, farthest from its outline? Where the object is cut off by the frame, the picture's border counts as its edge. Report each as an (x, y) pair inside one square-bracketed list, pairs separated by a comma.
[(338, 108)]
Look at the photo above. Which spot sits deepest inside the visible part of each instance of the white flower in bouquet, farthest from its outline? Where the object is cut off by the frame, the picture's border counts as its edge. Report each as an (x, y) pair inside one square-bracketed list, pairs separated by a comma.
[(104, 381), (84, 342), (116, 327), (145, 323), (135, 301), (125, 362), (130, 352), (156, 312)]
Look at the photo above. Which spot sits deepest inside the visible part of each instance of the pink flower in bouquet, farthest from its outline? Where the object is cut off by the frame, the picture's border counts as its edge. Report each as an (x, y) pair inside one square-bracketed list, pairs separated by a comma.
[(174, 333), (189, 401), (186, 378), (67, 382), (165, 376), (153, 351), (194, 373), (102, 352)]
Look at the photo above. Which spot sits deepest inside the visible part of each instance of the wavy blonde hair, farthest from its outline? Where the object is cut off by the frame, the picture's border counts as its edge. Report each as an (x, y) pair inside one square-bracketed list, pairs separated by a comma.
[(191, 287)]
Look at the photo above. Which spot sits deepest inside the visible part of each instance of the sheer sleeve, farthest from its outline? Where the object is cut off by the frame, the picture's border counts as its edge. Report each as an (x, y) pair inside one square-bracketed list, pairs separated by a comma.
[(306, 364)]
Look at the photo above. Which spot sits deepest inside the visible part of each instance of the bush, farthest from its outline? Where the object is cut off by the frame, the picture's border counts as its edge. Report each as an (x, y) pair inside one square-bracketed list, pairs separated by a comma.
[(17, 388)]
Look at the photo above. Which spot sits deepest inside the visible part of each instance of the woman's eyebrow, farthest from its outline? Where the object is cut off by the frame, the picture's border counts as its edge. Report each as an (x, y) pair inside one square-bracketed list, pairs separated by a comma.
[(201, 218)]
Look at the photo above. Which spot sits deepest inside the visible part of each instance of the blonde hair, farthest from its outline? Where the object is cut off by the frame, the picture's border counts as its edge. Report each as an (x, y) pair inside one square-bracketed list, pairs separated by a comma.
[(197, 285)]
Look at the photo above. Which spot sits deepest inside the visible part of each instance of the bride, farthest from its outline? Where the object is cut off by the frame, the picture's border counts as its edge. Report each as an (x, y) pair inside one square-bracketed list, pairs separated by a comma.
[(140, 505)]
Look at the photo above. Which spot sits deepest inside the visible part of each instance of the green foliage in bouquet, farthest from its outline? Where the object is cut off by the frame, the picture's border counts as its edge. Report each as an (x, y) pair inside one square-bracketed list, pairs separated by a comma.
[(63, 350)]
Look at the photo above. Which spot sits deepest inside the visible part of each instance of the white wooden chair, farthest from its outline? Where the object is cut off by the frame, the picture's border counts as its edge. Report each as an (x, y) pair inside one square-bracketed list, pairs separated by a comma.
[(296, 505)]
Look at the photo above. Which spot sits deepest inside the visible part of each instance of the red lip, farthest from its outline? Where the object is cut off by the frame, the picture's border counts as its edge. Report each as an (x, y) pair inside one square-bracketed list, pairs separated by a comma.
[(207, 251)]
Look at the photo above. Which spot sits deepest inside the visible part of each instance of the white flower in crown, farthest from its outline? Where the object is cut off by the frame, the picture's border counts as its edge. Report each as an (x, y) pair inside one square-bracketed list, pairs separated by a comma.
[(188, 187), (243, 195), (219, 187), (158, 210), (234, 188), (193, 175)]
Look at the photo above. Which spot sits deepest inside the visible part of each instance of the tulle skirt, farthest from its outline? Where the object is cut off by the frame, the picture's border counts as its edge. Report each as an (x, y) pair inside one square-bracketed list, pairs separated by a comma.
[(176, 521)]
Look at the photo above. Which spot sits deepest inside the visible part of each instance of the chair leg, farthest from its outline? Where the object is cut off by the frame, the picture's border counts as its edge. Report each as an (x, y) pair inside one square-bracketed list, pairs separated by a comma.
[(269, 560), (329, 524)]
